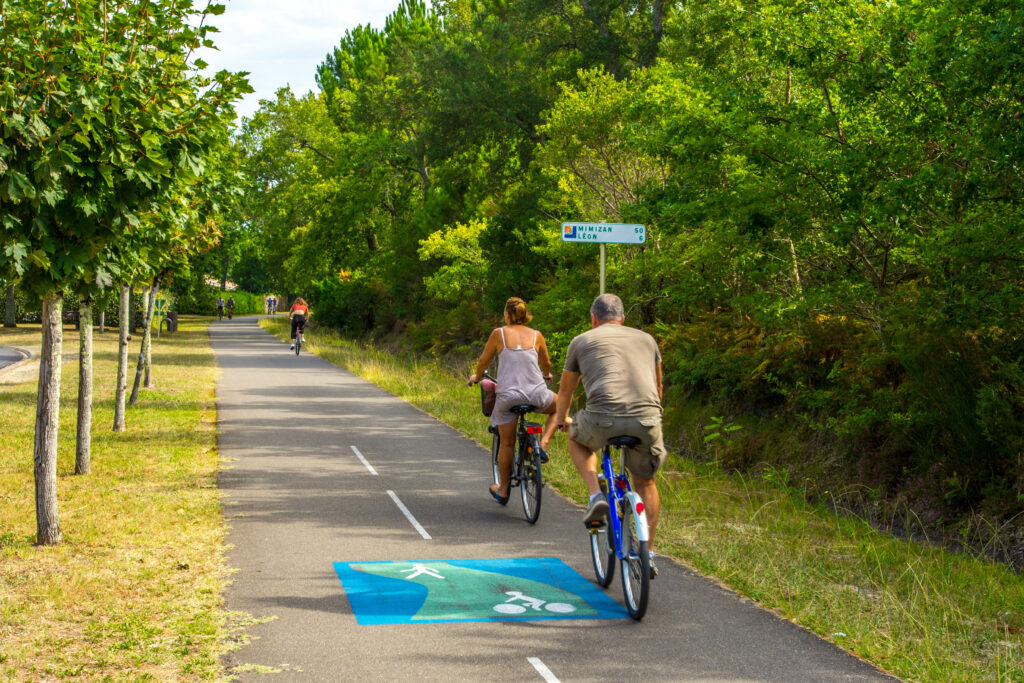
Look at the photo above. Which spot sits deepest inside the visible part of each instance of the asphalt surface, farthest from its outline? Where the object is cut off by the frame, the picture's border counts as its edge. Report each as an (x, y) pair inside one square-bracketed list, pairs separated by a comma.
[(10, 356), (298, 499)]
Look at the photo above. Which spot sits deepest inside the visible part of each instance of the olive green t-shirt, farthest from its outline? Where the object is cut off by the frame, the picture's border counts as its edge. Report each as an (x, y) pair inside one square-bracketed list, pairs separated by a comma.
[(617, 366)]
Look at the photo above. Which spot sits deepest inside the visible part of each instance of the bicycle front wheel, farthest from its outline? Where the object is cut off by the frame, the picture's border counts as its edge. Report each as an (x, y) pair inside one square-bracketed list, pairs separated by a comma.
[(530, 479), (636, 565)]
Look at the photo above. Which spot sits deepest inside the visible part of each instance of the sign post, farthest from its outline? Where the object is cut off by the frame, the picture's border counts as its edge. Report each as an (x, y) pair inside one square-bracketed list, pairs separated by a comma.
[(603, 233)]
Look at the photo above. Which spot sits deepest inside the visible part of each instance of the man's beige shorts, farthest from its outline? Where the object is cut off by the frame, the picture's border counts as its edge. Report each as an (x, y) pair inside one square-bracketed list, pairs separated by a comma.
[(594, 429)]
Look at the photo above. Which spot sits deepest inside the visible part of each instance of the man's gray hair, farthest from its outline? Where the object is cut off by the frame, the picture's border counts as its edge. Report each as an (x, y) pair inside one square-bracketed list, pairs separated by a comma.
[(607, 307)]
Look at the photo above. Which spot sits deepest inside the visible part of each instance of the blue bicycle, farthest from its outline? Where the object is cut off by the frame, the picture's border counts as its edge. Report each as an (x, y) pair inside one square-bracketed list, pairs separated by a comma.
[(624, 534)]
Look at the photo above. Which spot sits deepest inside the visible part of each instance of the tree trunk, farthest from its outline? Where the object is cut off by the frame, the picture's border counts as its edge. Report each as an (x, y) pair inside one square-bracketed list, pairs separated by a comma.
[(605, 41), (135, 313), (103, 321), (657, 31), (224, 273), (122, 358), (83, 442), (424, 176), (144, 348), (147, 381), (147, 294), (47, 422), (11, 313)]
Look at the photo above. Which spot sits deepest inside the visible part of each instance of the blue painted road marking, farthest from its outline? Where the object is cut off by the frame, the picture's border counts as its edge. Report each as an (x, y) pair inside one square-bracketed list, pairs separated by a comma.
[(431, 591)]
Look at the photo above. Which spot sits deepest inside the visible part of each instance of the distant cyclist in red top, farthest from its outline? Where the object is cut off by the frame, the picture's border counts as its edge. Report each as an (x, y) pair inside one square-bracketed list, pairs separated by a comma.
[(298, 315)]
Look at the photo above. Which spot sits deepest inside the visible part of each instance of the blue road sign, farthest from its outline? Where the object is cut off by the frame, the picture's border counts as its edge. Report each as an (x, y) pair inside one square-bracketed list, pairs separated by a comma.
[(430, 591)]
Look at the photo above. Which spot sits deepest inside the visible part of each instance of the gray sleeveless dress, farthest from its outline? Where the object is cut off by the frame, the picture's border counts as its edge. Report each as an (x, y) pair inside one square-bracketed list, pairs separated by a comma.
[(519, 381)]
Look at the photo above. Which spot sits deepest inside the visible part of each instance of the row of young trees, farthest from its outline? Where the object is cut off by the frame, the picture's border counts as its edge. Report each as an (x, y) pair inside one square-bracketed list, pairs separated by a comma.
[(832, 193), (112, 143)]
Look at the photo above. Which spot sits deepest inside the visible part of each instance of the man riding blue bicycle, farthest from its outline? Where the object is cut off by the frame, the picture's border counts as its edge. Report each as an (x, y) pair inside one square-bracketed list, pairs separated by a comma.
[(620, 368)]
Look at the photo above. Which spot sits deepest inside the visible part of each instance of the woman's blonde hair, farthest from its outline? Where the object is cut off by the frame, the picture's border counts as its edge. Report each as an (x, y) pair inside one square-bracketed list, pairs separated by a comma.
[(300, 301), (517, 312)]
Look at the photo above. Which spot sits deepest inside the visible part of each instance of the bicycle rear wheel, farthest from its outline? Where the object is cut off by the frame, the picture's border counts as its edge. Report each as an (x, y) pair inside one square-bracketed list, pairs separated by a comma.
[(298, 344), (495, 447), (636, 565), (530, 479), (602, 549)]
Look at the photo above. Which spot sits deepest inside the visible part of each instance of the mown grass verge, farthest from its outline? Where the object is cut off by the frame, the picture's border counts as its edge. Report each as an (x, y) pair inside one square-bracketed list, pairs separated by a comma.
[(135, 590), (919, 612)]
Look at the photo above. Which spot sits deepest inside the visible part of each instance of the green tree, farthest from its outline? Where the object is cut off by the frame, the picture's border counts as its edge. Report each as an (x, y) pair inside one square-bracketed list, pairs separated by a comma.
[(103, 114)]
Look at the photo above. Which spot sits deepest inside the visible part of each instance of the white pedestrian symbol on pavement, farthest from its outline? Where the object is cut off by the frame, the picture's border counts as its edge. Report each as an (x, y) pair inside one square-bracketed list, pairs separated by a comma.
[(532, 603), (418, 569)]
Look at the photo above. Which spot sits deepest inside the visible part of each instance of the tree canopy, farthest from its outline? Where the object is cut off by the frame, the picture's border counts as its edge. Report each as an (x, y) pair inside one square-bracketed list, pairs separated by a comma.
[(104, 116), (832, 195)]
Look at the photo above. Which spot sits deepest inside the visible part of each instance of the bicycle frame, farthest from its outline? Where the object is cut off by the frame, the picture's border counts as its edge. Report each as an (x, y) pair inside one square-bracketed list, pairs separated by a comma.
[(621, 493), (526, 469), (523, 431)]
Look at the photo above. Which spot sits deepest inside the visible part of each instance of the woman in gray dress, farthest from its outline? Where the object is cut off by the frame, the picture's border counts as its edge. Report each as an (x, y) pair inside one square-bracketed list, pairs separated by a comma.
[(524, 368)]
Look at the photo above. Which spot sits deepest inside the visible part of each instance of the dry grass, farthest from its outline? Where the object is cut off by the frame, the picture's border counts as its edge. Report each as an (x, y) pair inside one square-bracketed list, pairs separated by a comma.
[(134, 591)]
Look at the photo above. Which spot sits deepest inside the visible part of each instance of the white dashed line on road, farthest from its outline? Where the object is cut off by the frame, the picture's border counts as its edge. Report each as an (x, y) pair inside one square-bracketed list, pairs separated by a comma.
[(543, 670), (364, 461), (408, 515)]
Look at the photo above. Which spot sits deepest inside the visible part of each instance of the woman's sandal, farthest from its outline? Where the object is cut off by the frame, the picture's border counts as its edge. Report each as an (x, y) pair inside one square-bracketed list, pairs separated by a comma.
[(502, 500)]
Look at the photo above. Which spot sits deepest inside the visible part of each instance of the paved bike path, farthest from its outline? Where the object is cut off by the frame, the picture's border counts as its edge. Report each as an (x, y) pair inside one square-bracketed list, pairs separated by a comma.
[(10, 355), (298, 499)]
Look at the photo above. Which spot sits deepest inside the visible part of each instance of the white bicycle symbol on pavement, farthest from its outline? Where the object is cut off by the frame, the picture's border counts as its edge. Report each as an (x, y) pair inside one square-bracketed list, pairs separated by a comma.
[(531, 603)]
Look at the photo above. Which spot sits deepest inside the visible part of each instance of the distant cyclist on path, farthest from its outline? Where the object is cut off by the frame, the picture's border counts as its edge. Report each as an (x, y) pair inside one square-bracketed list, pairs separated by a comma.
[(621, 372), (298, 314)]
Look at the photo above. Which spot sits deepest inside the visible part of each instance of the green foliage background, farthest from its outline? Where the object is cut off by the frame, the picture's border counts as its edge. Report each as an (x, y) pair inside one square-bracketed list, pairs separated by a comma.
[(832, 195)]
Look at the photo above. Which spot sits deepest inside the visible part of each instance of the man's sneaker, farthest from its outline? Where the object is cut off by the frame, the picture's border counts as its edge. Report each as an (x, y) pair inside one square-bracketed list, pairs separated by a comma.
[(654, 569), (597, 511)]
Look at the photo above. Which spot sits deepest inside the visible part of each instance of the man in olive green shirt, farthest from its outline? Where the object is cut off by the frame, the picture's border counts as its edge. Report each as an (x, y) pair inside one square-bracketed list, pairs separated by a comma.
[(621, 372)]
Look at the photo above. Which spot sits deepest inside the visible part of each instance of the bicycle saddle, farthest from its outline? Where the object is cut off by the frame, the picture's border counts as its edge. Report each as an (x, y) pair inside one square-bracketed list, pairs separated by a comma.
[(624, 441), (522, 410)]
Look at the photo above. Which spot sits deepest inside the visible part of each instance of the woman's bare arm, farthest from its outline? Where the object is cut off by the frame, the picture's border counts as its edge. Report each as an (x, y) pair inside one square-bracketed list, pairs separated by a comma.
[(543, 359), (490, 350)]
